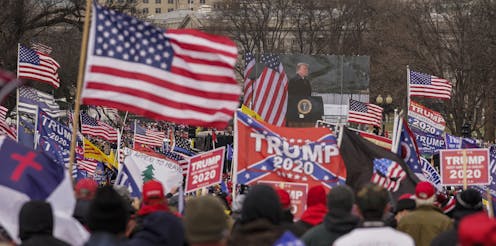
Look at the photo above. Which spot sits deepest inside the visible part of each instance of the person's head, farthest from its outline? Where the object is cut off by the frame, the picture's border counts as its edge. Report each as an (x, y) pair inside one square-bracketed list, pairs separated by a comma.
[(372, 201), (340, 200), (85, 189), (35, 218), (425, 193), (477, 230), (108, 212), (302, 69), (405, 204), (468, 202), (261, 202), (316, 195), (205, 220), (153, 193)]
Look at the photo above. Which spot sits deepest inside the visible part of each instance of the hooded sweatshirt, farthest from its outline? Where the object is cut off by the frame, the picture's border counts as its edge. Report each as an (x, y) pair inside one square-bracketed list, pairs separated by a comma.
[(36, 224), (315, 212)]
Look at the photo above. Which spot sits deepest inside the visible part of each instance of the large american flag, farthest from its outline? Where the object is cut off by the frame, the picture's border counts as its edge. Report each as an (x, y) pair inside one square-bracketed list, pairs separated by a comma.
[(271, 91), (147, 136), (38, 66), (426, 85), (183, 76), (365, 113), (93, 127), (248, 84)]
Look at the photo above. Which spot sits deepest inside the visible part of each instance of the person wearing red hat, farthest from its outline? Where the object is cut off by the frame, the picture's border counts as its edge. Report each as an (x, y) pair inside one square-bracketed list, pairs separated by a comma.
[(155, 225), (315, 212), (477, 230), (287, 216), (426, 221), (85, 191)]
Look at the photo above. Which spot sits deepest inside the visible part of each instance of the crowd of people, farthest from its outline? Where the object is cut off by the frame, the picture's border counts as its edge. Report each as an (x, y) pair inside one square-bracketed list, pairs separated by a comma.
[(260, 215)]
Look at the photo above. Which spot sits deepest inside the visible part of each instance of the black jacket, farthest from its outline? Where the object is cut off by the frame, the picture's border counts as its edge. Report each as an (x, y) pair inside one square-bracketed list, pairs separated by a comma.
[(158, 228), (332, 228), (299, 87)]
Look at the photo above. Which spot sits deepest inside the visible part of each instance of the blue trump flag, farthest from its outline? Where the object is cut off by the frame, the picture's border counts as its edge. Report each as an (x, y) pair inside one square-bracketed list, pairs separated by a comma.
[(29, 175), (54, 138), (429, 144), (492, 179)]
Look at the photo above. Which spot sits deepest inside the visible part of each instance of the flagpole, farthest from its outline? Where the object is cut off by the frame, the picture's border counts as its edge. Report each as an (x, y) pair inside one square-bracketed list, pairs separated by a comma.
[(35, 143), (464, 162), (395, 130), (407, 88), (17, 94), (134, 135), (489, 198), (82, 61), (234, 161)]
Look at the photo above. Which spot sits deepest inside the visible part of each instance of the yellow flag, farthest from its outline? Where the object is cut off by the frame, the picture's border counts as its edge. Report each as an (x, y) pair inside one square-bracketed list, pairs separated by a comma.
[(251, 113), (93, 152)]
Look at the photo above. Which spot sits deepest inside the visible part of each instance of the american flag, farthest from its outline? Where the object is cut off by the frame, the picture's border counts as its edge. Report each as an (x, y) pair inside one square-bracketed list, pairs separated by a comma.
[(88, 165), (148, 136), (38, 66), (5, 129), (183, 76), (365, 113), (248, 85), (181, 160), (271, 91), (426, 85), (388, 174), (43, 48), (93, 127), (3, 113), (31, 99)]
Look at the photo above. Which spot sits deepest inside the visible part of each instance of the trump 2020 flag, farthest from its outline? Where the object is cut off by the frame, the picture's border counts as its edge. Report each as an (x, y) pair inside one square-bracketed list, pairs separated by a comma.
[(183, 76), (265, 152), (28, 175), (54, 138)]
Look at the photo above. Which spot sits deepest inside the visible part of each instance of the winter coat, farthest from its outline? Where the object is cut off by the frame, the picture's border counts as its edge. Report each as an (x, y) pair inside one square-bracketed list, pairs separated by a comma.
[(313, 216), (424, 224), (81, 211), (158, 228), (331, 229), (259, 232), (104, 239)]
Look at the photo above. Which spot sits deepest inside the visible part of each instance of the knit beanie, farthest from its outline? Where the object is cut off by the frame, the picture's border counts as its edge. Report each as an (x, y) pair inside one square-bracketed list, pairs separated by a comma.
[(35, 217), (316, 195), (205, 220), (261, 202), (467, 202), (108, 212), (340, 200)]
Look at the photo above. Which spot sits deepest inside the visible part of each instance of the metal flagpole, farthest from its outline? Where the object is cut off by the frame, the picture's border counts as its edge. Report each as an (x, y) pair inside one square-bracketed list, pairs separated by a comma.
[(82, 62), (407, 88), (17, 92), (395, 130)]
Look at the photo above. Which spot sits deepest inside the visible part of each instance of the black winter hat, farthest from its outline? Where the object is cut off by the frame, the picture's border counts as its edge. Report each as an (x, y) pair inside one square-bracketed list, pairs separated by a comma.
[(262, 202), (35, 217), (468, 202), (108, 212), (340, 200)]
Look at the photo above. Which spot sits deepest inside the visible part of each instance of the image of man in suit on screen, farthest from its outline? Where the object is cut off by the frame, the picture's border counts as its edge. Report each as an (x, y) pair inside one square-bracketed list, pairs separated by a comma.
[(299, 86)]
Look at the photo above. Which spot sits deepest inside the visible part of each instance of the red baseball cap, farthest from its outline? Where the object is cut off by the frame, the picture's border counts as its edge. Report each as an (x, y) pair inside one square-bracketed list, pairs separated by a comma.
[(152, 190), (86, 189), (424, 190)]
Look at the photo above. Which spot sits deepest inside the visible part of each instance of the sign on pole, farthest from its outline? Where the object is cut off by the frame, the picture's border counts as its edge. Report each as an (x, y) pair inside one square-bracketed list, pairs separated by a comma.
[(452, 166), (297, 194), (205, 169)]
